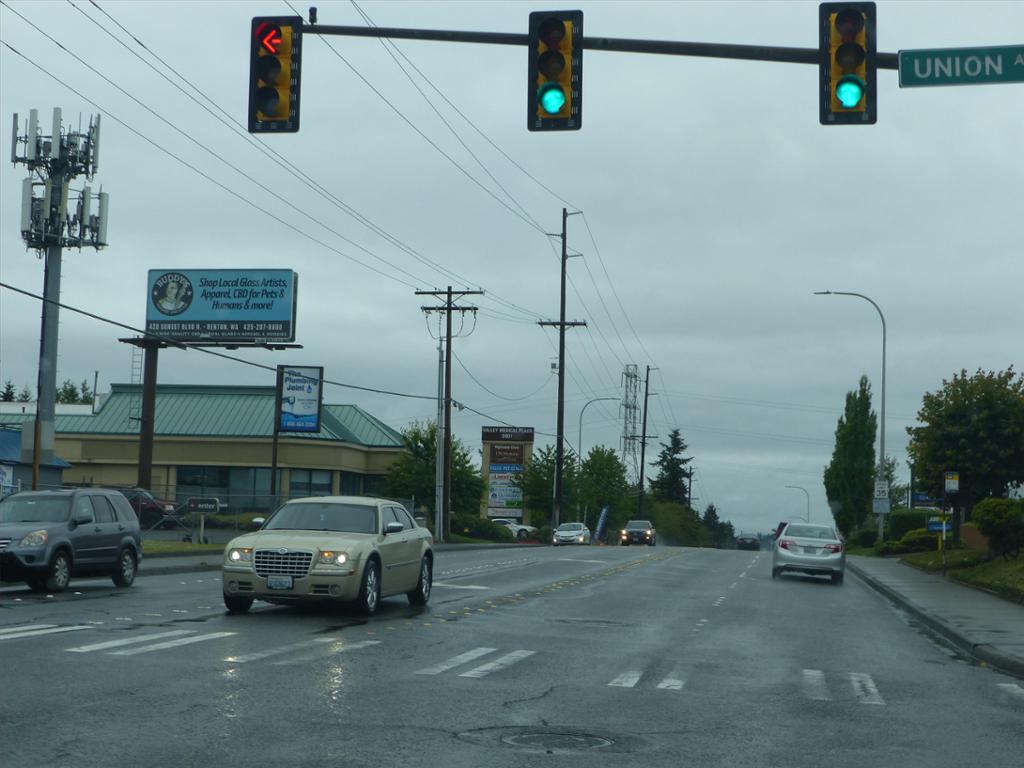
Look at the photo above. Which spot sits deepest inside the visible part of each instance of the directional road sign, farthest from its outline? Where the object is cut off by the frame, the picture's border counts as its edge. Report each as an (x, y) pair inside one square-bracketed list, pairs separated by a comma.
[(962, 66)]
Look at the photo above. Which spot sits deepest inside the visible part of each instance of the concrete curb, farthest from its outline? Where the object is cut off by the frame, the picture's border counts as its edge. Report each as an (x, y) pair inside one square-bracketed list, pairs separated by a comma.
[(981, 652)]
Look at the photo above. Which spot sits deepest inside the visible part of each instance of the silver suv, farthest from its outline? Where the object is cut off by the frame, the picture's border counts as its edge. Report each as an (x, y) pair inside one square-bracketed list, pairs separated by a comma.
[(46, 537)]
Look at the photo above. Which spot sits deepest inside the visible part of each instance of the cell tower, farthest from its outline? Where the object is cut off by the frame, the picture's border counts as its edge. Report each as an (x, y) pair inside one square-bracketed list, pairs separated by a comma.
[(631, 415), (53, 163)]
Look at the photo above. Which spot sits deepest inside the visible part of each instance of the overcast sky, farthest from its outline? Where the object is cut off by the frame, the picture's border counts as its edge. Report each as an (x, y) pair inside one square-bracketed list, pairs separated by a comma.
[(714, 206)]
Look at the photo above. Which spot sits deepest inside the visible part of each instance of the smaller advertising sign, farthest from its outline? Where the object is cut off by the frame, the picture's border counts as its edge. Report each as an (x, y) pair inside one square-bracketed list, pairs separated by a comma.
[(301, 398), (952, 482)]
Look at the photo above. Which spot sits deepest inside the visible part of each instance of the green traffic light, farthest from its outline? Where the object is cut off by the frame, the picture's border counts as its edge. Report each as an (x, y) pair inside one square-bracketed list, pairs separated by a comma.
[(551, 97), (850, 91)]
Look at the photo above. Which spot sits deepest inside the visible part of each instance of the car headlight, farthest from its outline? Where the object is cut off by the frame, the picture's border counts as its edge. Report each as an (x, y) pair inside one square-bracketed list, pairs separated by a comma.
[(34, 539), (624, 532), (328, 557), (240, 555), (649, 531)]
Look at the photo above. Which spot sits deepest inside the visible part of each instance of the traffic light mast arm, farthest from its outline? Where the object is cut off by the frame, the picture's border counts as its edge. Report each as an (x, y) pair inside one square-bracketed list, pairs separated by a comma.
[(620, 45)]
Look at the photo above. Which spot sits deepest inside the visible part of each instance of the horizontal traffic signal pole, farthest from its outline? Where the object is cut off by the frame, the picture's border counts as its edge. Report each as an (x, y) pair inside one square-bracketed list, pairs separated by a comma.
[(617, 44)]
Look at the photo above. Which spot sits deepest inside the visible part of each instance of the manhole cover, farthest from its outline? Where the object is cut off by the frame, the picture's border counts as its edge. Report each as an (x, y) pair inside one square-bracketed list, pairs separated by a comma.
[(574, 742)]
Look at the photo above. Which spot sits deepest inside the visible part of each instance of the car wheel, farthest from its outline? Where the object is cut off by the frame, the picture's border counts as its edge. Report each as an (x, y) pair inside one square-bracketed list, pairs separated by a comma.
[(775, 573), (369, 590), (521, 535), (60, 573), (837, 578), (237, 604), (421, 594), (127, 567)]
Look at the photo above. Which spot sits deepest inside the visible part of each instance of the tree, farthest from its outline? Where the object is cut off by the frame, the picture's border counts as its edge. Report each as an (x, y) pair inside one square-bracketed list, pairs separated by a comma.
[(68, 392), (537, 482), (603, 482), (849, 477), (670, 484), (720, 533), (86, 394), (25, 396), (412, 474), (8, 393), (973, 425)]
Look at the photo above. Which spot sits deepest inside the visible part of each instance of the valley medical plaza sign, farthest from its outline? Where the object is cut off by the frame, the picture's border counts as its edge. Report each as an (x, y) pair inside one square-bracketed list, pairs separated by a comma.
[(222, 305)]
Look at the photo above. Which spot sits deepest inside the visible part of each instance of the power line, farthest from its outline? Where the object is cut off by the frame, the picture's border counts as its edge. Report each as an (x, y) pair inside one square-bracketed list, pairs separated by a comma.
[(492, 392)]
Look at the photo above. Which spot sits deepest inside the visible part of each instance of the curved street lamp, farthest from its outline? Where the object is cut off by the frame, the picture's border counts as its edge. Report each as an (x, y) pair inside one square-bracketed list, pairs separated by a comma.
[(579, 444), (881, 431), (800, 488)]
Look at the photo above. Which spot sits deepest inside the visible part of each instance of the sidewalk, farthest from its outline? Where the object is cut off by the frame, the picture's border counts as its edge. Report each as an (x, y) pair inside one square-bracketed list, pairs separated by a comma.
[(986, 627)]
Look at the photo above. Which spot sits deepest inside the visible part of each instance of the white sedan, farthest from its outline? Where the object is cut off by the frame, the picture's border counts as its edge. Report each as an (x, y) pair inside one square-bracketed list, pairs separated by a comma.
[(571, 533), (519, 531)]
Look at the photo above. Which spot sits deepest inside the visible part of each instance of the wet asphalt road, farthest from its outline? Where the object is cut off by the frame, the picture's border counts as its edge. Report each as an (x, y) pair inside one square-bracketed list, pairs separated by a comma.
[(562, 657)]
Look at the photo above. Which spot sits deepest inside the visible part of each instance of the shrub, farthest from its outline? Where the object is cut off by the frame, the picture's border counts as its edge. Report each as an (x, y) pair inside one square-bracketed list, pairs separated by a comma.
[(477, 527), (890, 547), (866, 537), (920, 540), (543, 534), (1002, 521), (900, 523)]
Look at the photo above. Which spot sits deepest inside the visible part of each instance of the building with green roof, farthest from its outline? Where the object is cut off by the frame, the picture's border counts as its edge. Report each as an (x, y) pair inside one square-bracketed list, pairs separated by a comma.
[(216, 441)]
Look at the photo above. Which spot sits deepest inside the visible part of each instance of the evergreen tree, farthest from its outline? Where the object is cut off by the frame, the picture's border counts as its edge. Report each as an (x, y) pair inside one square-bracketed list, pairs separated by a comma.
[(849, 477), (673, 478), (9, 393)]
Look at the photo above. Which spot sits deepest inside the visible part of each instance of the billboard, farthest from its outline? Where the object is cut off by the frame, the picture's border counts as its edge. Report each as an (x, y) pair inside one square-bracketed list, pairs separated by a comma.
[(506, 450), (301, 398), (222, 305)]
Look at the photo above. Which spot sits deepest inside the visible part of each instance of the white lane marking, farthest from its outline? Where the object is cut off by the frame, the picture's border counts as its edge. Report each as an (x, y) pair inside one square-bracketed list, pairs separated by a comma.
[(580, 560), (1013, 689), (39, 632), (864, 689), (25, 628), (743, 575), (445, 584), (702, 621), (314, 657), (673, 681), (627, 679), (733, 585), (455, 661), (498, 664), (129, 641), (275, 651), (173, 643), (814, 685)]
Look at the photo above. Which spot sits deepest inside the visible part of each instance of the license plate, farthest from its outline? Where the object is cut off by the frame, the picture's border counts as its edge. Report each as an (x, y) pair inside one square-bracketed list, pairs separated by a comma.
[(279, 582), (810, 550)]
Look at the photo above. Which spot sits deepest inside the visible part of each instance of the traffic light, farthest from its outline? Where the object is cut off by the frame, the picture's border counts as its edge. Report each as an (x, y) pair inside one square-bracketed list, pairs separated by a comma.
[(848, 81), (555, 87), (275, 58)]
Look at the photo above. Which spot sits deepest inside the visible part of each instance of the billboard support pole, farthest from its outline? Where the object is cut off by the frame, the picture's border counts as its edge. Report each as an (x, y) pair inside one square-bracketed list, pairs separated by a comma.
[(277, 431)]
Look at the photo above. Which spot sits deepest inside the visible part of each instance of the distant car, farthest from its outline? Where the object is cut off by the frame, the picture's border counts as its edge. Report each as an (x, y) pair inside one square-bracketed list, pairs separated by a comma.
[(46, 537), (812, 549), (638, 532), (571, 533), (330, 549), (519, 531), (151, 511), (748, 541)]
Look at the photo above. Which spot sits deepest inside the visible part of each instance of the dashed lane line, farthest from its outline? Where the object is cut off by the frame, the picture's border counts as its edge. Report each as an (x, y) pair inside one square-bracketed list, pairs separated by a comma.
[(498, 664), (129, 641), (456, 661), (173, 643)]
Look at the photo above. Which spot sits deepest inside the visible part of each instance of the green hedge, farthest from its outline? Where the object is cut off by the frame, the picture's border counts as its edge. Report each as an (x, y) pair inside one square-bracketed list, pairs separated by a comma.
[(1002, 521), (477, 527), (920, 540), (866, 537), (901, 523)]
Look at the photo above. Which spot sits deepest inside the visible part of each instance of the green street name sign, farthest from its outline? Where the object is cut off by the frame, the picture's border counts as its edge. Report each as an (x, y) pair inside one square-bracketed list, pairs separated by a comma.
[(962, 66)]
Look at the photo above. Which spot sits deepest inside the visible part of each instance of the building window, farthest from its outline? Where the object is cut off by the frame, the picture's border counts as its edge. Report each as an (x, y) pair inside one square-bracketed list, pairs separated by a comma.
[(309, 482), (242, 489), (351, 484)]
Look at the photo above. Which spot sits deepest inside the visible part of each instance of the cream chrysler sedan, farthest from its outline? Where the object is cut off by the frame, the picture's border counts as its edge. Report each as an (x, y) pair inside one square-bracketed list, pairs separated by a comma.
[(330, 548)]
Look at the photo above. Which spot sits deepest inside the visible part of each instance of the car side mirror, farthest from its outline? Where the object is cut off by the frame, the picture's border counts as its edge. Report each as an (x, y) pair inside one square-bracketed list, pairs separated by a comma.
[(393, 528), (257, 522), (81, 519)]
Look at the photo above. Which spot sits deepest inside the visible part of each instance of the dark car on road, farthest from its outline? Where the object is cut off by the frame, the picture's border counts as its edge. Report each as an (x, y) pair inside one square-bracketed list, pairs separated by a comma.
[(151, 511), (638, 532), (748, 541), (46, 537)]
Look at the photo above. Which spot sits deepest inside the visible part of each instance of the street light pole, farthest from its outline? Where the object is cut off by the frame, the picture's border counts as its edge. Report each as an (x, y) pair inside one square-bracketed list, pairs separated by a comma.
[(579, 444), (881, 431), (801, 488)]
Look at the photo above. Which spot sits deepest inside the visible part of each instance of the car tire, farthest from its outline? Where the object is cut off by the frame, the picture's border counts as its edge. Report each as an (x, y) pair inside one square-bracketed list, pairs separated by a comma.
[(775, 573), (237, 604), (837, 579), (369, 589), (421, 595), (521, 535), (127, 567), (59, 575)]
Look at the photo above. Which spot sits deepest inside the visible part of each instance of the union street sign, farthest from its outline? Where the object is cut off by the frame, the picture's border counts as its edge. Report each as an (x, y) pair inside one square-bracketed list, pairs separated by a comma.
[(962, 66)]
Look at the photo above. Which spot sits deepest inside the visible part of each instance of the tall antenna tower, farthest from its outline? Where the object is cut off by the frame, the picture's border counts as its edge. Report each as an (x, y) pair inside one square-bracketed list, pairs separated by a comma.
[(631, 415), (53, 162)]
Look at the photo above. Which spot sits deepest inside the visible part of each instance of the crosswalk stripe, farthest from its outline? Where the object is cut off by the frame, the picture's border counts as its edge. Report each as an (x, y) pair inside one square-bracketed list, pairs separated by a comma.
[(814, 685), (25, 628), (172, 643), (673, 682), (313, 657), (257, 655), (1013, 689), (455, 661), (128, 641), (864, 689), (48, 631), (498, 664), (627, 679)]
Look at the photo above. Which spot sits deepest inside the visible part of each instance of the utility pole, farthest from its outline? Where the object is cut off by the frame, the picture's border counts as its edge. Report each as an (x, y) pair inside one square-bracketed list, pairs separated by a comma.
[(53, 163), (556, 511), (442, 534), (643, 446)]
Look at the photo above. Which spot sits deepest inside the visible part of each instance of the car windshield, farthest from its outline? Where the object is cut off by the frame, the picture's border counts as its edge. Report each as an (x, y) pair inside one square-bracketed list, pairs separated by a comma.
[(324, 516), (811, 532), (35, 509), (570, 527), (637, 524)]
